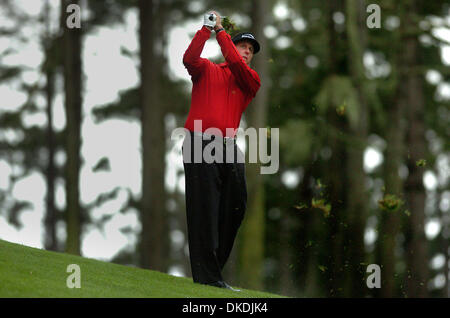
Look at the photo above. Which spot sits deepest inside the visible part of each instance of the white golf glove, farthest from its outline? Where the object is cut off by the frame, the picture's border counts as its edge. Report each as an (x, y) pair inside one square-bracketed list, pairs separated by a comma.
[(209, 19)]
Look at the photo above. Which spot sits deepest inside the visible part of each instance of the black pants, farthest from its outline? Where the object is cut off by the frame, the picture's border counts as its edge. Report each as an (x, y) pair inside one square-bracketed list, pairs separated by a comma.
[(216, 198)]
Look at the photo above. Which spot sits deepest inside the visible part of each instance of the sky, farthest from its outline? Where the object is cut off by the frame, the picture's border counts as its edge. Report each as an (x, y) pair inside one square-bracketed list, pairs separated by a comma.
[(119, 140)]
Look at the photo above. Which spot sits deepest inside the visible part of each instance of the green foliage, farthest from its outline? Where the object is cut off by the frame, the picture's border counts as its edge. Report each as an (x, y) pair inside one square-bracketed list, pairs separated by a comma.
[(9, 72), (107, 12), (390, 203), (296, 141), (127, 107), (339, 93), (102, 165), (10, 120), (421, 163), (229, 25), (16, 209), (321, 205)]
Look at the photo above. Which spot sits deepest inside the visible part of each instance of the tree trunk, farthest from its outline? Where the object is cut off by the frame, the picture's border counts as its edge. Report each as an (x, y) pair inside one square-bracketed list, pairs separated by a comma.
[(50, 217), (357, 197), (306, 231), (153, 242), (286, 258), (417, 257), (332, 261), (50, 241), (390, 220), (73, 108), (253, 228), (445, 242)]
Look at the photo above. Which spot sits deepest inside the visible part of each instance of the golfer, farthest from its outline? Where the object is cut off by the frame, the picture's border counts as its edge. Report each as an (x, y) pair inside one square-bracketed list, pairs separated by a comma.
[(216, 193)]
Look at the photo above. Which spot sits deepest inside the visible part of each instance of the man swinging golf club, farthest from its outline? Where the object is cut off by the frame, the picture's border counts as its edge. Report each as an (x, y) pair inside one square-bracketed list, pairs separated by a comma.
[(216, 193)]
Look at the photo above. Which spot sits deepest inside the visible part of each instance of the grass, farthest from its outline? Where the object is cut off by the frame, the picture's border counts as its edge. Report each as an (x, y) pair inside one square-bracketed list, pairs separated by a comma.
[(29, 272)]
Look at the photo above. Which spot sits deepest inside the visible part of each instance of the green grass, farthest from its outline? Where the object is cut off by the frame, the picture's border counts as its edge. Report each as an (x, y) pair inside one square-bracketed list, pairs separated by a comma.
[(31, 272)]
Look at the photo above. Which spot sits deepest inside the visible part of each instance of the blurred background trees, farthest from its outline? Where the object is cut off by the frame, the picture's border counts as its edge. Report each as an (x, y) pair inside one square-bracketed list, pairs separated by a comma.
[(364, 140)]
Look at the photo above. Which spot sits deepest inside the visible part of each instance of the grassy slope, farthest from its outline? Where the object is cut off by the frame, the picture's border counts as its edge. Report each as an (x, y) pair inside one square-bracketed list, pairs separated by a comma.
[(31, 272)]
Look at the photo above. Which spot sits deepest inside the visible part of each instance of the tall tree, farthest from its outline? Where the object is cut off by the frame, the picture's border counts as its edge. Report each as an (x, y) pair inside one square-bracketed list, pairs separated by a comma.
[(49, 69), (153, 204), (252, 240), (389, 224), (357, 200), (335, 177), (416, 145), (72, 47), (156, 96)]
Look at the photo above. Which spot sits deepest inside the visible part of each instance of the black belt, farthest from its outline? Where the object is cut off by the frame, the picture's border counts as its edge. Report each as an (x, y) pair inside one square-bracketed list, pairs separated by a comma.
[(214, 137)]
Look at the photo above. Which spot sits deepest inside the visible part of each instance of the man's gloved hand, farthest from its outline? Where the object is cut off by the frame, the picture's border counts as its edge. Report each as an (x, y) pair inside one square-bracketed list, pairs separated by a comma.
[(209, 20), (212, 20)]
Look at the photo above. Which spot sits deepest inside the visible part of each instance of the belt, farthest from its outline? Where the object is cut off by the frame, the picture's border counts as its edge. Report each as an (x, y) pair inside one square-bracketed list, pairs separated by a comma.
[(214, 137)]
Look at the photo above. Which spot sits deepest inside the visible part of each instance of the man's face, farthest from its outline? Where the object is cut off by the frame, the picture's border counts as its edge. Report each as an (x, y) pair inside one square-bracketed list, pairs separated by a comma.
[(245, 48)]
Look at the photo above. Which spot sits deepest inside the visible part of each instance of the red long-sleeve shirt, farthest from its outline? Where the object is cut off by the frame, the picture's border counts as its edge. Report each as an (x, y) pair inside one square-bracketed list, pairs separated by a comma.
[(220, 92)]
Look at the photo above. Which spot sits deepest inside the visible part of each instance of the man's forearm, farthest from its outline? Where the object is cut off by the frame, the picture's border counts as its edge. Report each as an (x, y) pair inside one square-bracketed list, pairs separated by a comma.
[(191, 58), (195, 49)]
